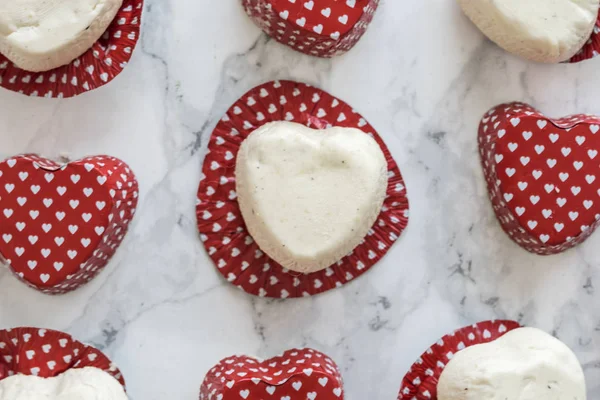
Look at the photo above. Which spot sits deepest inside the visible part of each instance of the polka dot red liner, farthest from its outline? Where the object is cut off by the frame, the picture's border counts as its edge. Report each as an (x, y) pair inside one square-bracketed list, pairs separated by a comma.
[(222, 230), (421, 381), (47, 353), (95, 68)]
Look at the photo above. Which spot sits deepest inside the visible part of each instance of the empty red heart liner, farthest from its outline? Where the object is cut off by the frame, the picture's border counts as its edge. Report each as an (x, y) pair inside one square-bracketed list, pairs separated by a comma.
[(95, 68), (420, 383), (61, 223), (222, 229), (299, 374), (47, 353), (322, 28), (543, 175), (591, 48)]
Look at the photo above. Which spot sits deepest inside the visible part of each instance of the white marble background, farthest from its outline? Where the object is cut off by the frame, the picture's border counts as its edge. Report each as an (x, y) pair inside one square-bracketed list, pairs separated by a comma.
[(423, 76)]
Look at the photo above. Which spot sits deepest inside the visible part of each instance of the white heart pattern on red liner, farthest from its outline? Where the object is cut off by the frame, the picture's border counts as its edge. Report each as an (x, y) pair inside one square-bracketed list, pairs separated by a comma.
[(95, 68), (299, 374), (222, 230), (47, 353), (420, 383), (322, 28), (60, 224), (543, 175)]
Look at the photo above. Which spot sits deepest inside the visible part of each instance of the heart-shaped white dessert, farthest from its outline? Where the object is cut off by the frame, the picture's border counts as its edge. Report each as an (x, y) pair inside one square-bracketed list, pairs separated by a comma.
[(548, 31), (309, 197), (40, 35), (524, 364), (76, 383)]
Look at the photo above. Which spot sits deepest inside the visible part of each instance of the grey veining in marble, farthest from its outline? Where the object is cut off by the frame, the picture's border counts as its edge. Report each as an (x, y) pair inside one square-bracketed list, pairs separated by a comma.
[(423, 76)]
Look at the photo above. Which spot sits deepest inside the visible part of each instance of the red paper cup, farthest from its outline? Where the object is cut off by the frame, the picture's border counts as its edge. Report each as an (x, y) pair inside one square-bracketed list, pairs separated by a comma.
[(60, 224), (220, 221), (47, 353), (323, 28), (422, 379), (95, 68), (299, 374), (543, 176), (591, 48)]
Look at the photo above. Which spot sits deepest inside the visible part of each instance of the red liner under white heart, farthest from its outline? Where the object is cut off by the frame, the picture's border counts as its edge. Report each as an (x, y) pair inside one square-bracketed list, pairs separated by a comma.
[(95, 68), (323, 28), (299, 374), (222, 229), (60, 224), (47, 353), (543, 175), (420, 383), (591, 48)]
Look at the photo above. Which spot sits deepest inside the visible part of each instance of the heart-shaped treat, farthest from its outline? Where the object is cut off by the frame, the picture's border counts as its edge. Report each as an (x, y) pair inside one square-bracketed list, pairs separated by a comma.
[(235, 253), (322, 28), (71, 46), (591, 48), (60, 224), (46, 354), (537, 30), (543, 175), (309, 196), (421, 382), (300, 374), (525, 363)]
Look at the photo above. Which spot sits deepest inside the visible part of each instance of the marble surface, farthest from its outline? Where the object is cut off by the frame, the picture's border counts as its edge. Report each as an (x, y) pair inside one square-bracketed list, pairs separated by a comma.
[(423, 76)]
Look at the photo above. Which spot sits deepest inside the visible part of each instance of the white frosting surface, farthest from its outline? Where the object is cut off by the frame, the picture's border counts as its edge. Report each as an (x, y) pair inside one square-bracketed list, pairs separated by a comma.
[(540, 30), (39, 35), (524, 364), (74, 384), (308, 196)]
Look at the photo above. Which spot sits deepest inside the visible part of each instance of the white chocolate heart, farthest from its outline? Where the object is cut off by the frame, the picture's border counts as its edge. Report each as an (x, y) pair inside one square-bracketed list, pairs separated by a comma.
[(40, 35), (74, 384), (548, 31), (309, 197), (524, 364)]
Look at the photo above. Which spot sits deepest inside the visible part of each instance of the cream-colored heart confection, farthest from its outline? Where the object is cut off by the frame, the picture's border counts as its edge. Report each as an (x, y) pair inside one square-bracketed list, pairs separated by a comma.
[(549, 31), (40, 35), (524, 364), (309, 197), (74, 384)]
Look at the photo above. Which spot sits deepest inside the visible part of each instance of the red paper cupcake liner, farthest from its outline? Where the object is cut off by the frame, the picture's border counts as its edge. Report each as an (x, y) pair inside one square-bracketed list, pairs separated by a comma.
[(47, 353), (317, 28), (223, 232), (543, 176), (299, 374), (60, 224), (422, 379), (592, 47), (95, 68)]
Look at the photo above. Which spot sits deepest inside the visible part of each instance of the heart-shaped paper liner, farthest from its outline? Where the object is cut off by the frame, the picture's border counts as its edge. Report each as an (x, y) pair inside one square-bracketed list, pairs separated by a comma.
[(592, 47), (60, 224), (220, 222), (322, 28), (420, 383), (543, 175), (96, 67), (47, 353), (298, 374)]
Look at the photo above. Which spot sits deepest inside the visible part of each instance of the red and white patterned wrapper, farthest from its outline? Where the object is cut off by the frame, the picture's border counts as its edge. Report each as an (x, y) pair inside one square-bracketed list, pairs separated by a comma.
[(299, 374), (543, 175), (591, 48), (422, 379), (322, 28), (61, 223), (222, 229), (47, 353), (95, 68)]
